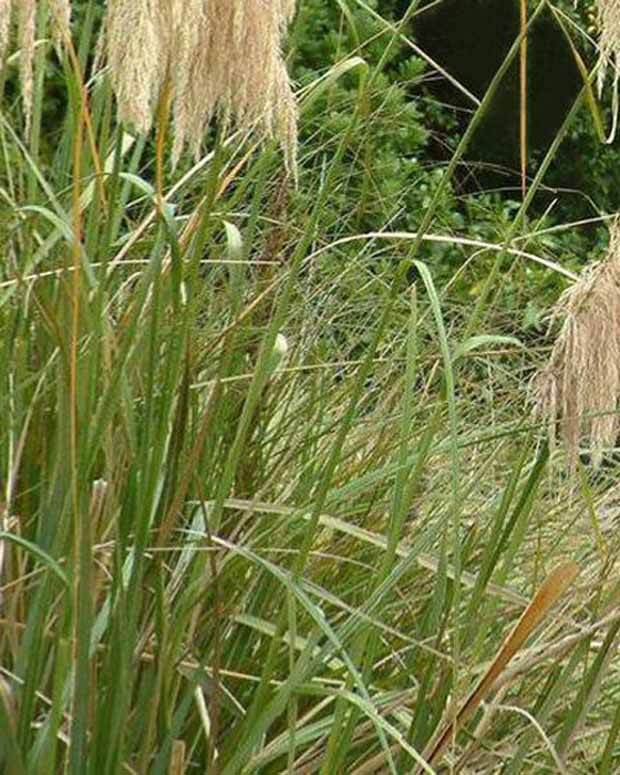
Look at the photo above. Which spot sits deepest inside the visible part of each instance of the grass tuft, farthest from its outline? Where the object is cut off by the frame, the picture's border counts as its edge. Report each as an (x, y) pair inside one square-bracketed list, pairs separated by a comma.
[(269, 501)]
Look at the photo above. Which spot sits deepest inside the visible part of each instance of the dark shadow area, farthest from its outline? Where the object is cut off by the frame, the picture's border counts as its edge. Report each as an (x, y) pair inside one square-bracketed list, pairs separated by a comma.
[(470, 39)]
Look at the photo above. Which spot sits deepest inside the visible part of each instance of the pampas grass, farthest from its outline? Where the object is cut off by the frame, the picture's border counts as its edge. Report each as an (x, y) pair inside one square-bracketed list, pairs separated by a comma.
[(267, 557), (609, 26), (27, 13), (608, 12), (205, 58), (61, 21), (579, 389), (5, 26), (226, 61), (137, 50)]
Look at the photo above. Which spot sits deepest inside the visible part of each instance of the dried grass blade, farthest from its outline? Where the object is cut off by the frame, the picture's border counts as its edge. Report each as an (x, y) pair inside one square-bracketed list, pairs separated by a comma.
[(177, 758), (552, 589)]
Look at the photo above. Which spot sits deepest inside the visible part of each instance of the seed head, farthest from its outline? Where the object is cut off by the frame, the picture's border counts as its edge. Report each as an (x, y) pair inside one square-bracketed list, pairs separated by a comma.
[(5, 27), (212, 59), (608, 14), (137, 57), (220, 59), (61, 22), (579, 389), (27, 13)]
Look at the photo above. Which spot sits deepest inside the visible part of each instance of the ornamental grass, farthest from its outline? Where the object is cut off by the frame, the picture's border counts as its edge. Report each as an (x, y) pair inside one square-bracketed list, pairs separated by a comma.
[(579, 389), (205, 59), (608, 17)]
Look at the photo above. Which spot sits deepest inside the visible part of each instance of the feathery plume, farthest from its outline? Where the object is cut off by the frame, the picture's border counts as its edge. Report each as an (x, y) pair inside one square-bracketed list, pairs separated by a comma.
[(579, 389), (137, 57), (61, 22), (608, 15), (27, 13), (222, 58), (60, 12), (215, 59), (5, 27)]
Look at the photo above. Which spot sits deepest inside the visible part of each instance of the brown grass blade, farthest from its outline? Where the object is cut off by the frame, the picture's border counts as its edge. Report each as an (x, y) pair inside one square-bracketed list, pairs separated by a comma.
[(177, 758), (552, 589)]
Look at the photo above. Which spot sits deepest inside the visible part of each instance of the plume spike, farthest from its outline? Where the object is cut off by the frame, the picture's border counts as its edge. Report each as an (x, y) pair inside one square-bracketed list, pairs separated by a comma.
[(579, 389)]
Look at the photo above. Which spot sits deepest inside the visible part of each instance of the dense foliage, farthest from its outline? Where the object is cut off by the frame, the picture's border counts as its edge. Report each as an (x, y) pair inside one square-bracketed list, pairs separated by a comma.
[(410, 124), (272, 494)]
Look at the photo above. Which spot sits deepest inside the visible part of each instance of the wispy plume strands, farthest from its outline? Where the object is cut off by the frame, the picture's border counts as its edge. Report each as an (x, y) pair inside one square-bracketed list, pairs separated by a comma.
[(25, 14), (210, 59), (226, 60), (213, 58), (608, 12), (5, 27), (579, 389)]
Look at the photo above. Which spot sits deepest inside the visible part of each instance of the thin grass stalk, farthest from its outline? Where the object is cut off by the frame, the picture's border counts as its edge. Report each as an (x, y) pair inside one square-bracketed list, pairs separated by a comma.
[(260, 697), (261, 372), (473, 125), (523, 97), (419, 52), (492, 545), (243, 746), (483, 297), (363, 650), (606, 761), (82, 539), (482, 302), (342, 728), (346, 632), (561, 683), (11, 755), (516, 531), (395, 34), (218, 616), (588, 691), (292, 714), (552, 588)]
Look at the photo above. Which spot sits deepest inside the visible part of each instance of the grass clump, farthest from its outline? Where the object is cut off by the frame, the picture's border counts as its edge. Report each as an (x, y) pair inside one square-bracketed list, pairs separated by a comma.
[(271, 501)]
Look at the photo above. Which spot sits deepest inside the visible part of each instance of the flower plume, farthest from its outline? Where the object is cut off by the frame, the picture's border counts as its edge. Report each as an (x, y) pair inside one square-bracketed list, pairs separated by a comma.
[(218, 58), (209, 59), (579, 389), (608, 14), (5, 27), (25, 14)]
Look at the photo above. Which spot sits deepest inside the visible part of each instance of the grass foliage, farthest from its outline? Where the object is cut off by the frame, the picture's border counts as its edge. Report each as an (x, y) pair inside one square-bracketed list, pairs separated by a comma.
[(272, 497)]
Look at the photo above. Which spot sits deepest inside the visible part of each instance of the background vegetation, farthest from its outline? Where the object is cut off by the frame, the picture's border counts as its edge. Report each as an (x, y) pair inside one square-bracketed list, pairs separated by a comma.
[(273, 498)]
